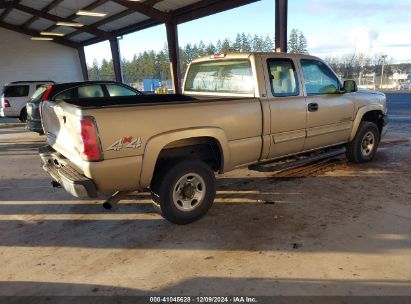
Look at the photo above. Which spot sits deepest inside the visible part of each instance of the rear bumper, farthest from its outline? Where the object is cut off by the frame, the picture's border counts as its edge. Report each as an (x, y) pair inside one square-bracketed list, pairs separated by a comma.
[(8, 112), (72, 181)]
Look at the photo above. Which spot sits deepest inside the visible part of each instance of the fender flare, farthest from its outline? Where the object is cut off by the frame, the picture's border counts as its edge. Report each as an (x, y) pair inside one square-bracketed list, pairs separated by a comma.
[(156, 144), (360, 114)]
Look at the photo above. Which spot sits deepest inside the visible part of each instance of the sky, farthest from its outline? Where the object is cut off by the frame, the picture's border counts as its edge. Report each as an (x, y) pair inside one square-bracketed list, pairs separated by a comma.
[(332, 28)]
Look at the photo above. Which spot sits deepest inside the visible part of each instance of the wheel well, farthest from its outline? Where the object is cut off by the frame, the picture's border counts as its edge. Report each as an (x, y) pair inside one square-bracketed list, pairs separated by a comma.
[(23, 115), (206, 149), (375, 117)]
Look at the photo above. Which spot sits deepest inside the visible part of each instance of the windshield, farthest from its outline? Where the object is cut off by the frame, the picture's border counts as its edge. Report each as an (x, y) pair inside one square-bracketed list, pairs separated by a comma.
[(16, 91), (222, 76)]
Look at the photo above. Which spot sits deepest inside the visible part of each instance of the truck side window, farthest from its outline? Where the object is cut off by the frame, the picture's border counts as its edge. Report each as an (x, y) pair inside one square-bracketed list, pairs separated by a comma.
[(318, 78), (283, 77)]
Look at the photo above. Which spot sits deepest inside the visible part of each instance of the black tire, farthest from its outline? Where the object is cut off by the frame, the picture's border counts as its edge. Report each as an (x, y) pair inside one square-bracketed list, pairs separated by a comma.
[(356, 152), (164, 189), (23, 115)]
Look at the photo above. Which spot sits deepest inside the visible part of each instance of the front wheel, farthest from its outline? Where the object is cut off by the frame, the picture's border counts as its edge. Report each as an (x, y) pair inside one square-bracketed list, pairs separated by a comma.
[(365, 143), (182, 192)]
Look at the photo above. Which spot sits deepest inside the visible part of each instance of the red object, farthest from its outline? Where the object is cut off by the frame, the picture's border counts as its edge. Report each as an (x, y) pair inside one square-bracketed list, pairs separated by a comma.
[(5, 103), (215, 56), (127, 139), (46, 93), (90, 141), (45, 96)]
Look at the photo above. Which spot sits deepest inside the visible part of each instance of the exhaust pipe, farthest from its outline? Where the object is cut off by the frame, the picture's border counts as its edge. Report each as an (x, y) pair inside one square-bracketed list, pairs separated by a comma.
[(114, 199), (55, 184)]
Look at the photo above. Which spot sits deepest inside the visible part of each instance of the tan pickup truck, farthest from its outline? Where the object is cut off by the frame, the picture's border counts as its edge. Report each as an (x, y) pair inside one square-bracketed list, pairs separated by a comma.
[(249, 109)]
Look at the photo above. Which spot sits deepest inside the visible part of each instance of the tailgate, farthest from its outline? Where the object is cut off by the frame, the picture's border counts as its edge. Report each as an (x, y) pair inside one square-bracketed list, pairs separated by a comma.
[(61, 125)]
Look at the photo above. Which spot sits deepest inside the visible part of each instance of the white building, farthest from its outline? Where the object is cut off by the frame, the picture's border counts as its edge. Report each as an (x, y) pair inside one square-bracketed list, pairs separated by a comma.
[(24, 59)]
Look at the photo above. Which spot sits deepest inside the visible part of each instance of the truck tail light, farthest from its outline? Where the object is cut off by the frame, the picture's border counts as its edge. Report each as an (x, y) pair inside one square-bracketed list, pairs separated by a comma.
[(5, 103), (91, 147)]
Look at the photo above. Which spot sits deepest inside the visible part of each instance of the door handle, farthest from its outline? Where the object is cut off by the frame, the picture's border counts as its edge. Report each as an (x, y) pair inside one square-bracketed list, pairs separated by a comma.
[(313, 107)]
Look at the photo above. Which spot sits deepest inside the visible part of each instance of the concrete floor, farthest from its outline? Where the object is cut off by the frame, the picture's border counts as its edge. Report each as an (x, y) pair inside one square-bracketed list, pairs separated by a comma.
[(329, 229)]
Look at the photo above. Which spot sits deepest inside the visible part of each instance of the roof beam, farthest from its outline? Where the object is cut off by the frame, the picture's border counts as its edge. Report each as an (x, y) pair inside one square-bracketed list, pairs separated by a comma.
[(152, 2), (27, 32), (104, 21), (70, 18), (40, 14), (8, 5), (145, 9), (206, 8), (46, 9), (127, 30)]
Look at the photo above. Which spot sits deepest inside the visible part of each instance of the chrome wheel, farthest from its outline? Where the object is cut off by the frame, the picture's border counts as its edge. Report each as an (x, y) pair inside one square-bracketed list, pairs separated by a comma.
[(367, 144), (189, 192)]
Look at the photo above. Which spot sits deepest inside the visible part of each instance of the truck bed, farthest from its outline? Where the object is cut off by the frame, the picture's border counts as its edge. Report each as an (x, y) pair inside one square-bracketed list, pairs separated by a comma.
[(129, 100), (143, 100)]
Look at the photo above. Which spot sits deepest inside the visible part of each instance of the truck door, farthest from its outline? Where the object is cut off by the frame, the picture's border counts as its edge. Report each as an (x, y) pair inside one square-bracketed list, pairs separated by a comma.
[(288, 109), (329, 113)]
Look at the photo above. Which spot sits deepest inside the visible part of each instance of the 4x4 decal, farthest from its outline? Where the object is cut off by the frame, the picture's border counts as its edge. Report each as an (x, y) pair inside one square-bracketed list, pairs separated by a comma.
[(126, 142)]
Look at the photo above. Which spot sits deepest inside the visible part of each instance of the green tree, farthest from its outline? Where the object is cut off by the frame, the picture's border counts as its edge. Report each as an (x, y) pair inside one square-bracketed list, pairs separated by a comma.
[(163, 65), (297, 43), (94, 71), (268, 44), (219, 46), (107, 70), (246, 43), (258, 44), (302, 44), (293, 42), (225, 48), (202, 49), (211, 49), (237, 43)]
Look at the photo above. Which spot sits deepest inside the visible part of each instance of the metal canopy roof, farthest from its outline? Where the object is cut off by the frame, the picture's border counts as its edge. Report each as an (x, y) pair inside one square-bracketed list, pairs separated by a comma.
[(30, 17)]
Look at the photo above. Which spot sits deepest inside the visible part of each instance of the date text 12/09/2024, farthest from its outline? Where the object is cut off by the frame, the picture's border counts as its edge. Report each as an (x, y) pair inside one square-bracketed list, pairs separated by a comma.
[(203, 299)]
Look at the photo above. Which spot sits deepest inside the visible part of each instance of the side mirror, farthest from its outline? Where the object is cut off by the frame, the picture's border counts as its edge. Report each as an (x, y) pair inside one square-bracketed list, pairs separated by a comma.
[(350, 86)]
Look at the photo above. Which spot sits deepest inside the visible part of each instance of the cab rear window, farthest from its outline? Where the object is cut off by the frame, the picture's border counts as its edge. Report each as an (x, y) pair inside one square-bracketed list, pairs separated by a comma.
[(221, 76), (16, 91)]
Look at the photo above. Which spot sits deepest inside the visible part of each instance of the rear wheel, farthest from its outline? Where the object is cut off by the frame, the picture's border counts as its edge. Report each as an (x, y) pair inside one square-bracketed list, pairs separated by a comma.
[(182, 192), (23, 115), (365, 143)]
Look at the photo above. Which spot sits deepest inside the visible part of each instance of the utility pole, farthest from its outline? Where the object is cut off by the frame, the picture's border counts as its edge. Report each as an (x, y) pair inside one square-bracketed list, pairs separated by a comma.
[(383, 57)]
